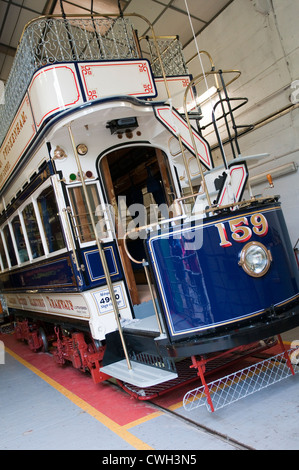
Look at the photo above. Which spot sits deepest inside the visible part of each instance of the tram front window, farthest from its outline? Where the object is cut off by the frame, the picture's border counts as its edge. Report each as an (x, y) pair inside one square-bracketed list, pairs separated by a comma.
[(33, 231), (51, 223)]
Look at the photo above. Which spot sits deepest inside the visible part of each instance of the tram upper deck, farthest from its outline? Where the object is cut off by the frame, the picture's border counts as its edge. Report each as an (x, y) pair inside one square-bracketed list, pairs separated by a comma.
[(66, 63), (61, 63)]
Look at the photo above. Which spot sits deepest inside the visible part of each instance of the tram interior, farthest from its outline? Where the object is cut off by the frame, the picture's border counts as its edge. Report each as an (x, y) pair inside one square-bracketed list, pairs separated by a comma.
[(139, 187)]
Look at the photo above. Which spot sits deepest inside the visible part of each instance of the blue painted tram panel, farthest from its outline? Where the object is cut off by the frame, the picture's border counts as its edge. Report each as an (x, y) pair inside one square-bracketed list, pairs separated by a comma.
[(205, 292)]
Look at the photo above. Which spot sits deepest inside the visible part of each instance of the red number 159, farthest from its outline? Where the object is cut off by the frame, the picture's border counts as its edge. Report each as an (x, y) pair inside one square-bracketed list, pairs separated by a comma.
[(240, 229)]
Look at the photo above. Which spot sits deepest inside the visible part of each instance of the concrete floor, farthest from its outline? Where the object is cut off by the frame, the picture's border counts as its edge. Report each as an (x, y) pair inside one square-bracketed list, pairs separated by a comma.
[(45, 409)]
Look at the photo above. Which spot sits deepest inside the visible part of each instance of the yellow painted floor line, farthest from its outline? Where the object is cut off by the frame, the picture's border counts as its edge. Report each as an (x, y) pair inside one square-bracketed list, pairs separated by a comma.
[(143, 420), (121, 431), (175, 406)]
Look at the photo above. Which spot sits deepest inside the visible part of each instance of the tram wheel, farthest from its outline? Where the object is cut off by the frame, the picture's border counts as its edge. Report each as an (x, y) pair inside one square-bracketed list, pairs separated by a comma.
[(42, 334)]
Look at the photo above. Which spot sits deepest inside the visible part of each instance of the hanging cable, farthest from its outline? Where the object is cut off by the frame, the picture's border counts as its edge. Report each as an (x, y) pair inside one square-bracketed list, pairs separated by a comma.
[(196, 45), (62, 10), (205, 80), (121, 14), (74, 55), (95, 30)]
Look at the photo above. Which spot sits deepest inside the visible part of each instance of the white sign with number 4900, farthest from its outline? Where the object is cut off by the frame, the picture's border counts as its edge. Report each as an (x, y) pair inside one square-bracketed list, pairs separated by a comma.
[(104, 301)]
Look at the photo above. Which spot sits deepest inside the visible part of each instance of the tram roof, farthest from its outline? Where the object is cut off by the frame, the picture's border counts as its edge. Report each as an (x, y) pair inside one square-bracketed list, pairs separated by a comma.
[(167, 17), (53, 39)]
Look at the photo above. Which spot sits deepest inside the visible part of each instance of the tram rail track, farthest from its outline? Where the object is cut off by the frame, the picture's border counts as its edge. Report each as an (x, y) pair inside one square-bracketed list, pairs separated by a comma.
[(175, 412), (203, 428), (238, 445)]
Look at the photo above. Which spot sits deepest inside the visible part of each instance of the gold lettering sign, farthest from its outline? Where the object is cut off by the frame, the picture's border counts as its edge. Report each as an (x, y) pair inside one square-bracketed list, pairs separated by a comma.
[(18, 138)]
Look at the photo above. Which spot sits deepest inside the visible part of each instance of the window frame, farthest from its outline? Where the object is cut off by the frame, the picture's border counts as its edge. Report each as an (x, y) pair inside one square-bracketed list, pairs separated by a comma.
[(40, 220), (19, 212), (14, 245), (108, 223), (17, 251), (5, 251), (39, 225)]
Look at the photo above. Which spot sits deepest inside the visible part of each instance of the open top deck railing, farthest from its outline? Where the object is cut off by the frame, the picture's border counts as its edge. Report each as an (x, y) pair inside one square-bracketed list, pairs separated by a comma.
[(50, 40)]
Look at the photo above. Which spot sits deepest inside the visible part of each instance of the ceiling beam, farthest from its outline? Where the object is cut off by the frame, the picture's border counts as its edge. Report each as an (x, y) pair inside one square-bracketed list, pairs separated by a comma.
[(49, 7), (208, 23), (179, 10), (24, 7), (7, 50)]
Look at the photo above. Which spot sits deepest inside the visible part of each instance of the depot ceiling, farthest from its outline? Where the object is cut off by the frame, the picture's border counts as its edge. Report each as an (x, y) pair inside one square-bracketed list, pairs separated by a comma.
[(169, 17)]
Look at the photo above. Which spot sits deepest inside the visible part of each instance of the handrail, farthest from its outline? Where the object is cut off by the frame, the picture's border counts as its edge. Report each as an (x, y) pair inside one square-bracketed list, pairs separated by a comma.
[(144, 262), (239, 204), (101, 251), (158, 224), (189, 196), (168, 42), (66, 214), (148, 227), (195, 81)]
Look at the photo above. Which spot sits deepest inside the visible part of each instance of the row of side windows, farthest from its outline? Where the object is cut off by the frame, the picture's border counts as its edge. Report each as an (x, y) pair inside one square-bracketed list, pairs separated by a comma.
[(33, 232)]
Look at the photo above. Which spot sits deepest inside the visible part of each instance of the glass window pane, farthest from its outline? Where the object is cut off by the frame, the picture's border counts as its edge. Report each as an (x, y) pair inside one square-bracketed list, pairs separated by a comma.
[(20, 241), (9, 245), (80, 210), (50, 219), (3, 255), (33, 231)]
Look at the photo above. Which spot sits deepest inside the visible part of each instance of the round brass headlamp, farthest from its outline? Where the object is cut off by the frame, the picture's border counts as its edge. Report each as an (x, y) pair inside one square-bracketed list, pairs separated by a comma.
[(82, 149), (255, 259)]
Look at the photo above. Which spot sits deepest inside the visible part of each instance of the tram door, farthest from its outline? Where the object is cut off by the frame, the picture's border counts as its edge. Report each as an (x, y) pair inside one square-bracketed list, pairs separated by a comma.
[(139, 189)]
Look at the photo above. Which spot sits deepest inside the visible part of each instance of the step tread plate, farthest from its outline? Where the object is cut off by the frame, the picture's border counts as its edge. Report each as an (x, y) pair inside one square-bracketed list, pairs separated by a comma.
[(141, 375)]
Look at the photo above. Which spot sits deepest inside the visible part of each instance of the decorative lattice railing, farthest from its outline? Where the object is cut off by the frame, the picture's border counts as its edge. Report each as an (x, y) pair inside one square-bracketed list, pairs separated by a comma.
[(52, 40)]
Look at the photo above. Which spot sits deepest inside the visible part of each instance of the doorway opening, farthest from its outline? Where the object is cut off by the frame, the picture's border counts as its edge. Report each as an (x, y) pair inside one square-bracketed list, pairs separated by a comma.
[(140, 190)]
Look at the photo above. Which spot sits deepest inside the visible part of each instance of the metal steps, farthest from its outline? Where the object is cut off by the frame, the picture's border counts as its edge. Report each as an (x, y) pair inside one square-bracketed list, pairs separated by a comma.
[(141, 375)]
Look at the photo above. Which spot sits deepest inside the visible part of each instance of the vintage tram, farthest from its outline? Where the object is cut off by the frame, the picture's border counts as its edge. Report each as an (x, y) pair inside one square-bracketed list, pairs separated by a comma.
[(127, 243)]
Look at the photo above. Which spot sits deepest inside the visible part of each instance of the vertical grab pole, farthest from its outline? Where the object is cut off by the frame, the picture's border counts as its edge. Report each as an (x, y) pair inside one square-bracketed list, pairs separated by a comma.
[(145, 266), (101, 251)]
